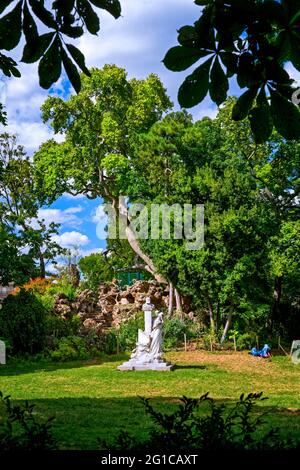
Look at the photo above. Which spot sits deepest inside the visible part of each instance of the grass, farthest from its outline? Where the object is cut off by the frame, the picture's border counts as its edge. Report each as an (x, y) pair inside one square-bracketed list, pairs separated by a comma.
[(91, 399)]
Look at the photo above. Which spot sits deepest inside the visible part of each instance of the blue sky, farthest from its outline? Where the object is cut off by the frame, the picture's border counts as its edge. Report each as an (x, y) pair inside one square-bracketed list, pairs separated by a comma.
[(138, 42)]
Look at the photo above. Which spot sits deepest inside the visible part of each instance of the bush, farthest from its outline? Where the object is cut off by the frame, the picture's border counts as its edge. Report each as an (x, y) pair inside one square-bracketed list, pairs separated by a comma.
[(174, 330), (69, 349), (221, 429), (20, 429), (23, 322), (128, 331)]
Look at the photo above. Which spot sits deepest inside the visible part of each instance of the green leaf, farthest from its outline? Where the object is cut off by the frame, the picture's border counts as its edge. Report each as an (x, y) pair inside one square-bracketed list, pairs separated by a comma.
[(71, 71), (180, 58), (42, 13), (201, 2), (187, 36), (286, 116), (4, 4), (261, 123), (88, 14), (205, 32), (79, 58), (11, 28), (34, 49), (243, 105), (112, 6), (63, 6), (29, 26), (8, 66), (50, 65), (230, 60), (219, 85), (72, 31), (195, 86)]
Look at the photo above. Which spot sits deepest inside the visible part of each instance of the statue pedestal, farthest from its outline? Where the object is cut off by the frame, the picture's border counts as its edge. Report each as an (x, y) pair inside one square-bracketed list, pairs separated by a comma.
[(135, 365)]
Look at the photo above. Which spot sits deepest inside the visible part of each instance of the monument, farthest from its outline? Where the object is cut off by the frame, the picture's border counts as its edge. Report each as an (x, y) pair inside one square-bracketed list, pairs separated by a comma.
[(2, 353), (295, 352), (148, 353)]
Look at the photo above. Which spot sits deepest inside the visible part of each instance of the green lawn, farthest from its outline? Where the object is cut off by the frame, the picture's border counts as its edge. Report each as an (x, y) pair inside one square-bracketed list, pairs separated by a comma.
[(92, 399)]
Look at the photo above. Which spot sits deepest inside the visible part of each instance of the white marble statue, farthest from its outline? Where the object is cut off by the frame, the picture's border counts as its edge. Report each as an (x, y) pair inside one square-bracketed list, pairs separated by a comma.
[(148, 353), (156, 339)]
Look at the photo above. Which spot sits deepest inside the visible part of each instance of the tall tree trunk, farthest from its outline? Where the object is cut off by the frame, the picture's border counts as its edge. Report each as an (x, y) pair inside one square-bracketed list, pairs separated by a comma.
[(42, 265), (211, 315), (171, 299), (178, 301), (218, 315), (227, 325), (276, 301), (134, 243)]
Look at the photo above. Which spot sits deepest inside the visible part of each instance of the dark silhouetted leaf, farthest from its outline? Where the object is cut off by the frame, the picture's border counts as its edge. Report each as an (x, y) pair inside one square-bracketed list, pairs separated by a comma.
[(202, 2), (34, 50), (195, 87), (8, 66), (230, 60), (180, 58), (88, 14), (261, 123), (4, 4), (72, 31), (286, 116), (29, 26), (243, 105), (11, 28), (187, 36), (71, 71), (50, 65), (42, 13), (78, 57), (63, 6), (112, 6), (219, 85)]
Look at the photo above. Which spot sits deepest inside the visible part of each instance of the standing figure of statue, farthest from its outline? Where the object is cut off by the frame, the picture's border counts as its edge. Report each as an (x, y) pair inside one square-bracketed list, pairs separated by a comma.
[(156, 351)]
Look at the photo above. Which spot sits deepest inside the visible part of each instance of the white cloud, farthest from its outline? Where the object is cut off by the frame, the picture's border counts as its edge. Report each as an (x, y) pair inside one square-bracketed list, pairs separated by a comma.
[(66, 217), (73, 210), (70, 239), (99, 215)]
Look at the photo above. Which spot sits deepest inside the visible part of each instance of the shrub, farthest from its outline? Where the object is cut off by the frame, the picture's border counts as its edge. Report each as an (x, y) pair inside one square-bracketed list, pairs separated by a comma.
[(20, 429), (221, 429), (69, 349), (38, 285), (23, 322), (245, 341), (127, 333), (174, 330)]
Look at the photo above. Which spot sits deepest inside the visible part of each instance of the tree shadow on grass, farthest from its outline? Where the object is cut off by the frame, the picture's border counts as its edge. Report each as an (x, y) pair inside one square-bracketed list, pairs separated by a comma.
[(28, 367), (191, 366), (79, 422)]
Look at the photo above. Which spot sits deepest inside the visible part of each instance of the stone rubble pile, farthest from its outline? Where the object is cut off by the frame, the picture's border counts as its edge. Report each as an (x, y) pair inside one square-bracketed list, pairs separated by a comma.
[(111, 306)]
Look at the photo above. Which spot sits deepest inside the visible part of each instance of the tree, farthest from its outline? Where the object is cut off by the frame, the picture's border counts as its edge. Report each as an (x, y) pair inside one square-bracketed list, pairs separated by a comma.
[(101, 124), (19, 209), (250, 40), (250, 192), (95, 270)]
